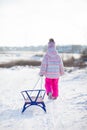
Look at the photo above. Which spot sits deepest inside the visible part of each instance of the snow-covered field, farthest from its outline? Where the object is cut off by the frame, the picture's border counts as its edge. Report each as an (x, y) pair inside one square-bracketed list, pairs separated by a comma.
[(68, 112), (12, 56)]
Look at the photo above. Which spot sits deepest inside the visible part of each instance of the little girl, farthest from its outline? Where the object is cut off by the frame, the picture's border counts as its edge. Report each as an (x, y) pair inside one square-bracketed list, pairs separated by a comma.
[(52, 68)]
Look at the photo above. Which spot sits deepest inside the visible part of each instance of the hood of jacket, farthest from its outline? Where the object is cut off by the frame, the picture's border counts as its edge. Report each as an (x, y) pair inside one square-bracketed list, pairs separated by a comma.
[(51, 50)]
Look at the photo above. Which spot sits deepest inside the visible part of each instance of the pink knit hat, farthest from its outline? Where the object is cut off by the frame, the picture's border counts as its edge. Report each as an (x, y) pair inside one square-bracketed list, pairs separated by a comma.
[(51, 43), (51, 50)]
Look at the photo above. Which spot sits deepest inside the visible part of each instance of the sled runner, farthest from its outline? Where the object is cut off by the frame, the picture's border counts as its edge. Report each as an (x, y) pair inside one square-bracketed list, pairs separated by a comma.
[(33, 97)]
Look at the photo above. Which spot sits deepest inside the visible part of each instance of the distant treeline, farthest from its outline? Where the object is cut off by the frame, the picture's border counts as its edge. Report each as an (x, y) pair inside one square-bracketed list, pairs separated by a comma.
[(61, 49)]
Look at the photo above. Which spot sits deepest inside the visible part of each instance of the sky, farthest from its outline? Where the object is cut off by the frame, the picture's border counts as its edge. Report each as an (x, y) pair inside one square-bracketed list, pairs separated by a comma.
[(33, 22)]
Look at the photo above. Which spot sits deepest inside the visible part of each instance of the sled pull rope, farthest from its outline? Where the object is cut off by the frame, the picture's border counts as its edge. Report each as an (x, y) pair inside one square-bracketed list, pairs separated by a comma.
[(41, 81), (36, 83)]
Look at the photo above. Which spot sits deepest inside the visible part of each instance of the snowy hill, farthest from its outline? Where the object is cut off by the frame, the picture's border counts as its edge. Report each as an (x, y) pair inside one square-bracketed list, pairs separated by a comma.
[(68, 112)]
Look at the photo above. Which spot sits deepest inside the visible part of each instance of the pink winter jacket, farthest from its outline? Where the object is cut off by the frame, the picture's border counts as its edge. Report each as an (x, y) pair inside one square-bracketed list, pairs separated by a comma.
[(52, 65)]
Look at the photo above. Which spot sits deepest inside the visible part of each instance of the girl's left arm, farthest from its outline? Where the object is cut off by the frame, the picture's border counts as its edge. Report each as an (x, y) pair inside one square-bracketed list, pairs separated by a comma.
[(43, 66)]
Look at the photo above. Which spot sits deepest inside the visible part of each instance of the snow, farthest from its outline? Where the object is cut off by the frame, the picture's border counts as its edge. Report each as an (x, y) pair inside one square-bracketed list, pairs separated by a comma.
[(31, 55), (68, 112), (12, 56)]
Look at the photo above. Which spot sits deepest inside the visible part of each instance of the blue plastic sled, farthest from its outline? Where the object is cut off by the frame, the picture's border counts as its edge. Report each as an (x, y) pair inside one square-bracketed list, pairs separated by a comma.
[(33, 97)]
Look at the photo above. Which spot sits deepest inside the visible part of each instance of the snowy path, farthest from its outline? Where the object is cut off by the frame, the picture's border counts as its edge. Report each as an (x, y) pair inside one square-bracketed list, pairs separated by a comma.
[(67, 113)]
